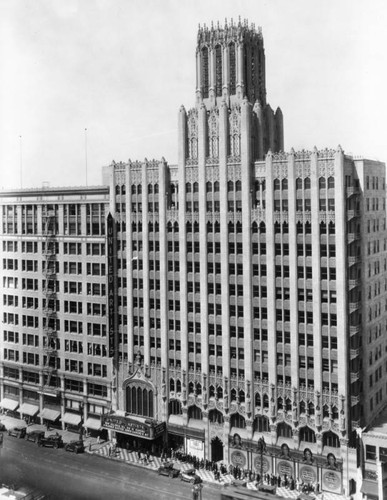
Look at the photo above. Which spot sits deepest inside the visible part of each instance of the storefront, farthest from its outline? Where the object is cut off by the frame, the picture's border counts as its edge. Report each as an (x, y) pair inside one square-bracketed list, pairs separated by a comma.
[(28, 412), (9, 406), (143, 434), (94, 428), (50, 417), (72, 421), (188, 439)]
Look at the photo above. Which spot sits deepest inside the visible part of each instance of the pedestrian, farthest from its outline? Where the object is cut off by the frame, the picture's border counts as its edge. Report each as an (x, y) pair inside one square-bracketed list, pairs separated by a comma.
[(98, 439)]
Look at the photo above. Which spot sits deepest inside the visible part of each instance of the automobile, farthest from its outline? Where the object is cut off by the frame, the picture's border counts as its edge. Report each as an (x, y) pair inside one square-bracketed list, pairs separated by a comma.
[(167, 469), (34, 436), (2, 427), (18, 432), (52, 441), (75, 446), (190, 476)]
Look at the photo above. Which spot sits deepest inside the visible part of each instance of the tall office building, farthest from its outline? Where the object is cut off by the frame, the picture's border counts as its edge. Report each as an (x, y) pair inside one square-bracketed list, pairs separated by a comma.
[(246, 290), (54, 364)]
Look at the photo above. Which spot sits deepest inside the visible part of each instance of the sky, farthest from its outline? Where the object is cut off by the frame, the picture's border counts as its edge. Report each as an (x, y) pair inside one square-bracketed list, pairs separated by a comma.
[(122, 68)]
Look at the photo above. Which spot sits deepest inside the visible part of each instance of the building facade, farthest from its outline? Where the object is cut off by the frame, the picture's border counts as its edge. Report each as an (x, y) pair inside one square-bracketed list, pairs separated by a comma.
[(245, 287), (54, 364)]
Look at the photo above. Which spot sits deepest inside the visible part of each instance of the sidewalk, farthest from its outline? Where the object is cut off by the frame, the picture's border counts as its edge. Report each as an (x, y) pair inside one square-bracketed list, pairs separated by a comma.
[(131, 457)]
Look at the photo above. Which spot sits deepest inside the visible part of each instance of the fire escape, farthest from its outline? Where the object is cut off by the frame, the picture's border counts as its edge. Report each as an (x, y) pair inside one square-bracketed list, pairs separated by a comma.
[(50, 383)]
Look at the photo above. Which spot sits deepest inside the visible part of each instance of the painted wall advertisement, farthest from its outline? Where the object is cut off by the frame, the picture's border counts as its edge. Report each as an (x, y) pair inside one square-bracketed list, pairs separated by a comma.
[(285, 468), (308, 474), (331, 480), (238, 458), (266, 466), (195, 447)]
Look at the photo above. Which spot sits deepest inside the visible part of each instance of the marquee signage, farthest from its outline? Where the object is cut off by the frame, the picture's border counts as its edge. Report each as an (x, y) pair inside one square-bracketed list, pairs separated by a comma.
[(126, 425), (308, 474), (285, 468), (111, 287), (238, 458), (266, 468)]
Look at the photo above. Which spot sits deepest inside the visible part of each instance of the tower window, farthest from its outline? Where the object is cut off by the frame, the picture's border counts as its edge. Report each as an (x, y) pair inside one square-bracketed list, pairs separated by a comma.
[(232, 85), (219, 70), (205, 71)]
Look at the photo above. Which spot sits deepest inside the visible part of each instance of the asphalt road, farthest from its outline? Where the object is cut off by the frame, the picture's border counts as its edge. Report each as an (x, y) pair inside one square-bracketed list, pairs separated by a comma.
[(66, 476)]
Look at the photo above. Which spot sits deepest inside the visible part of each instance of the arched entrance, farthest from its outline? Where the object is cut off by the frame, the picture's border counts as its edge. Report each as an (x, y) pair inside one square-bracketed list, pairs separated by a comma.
[(216, 449)]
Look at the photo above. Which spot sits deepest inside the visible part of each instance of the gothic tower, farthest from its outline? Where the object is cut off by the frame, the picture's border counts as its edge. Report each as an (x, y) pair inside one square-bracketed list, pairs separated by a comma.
[(230, 68)]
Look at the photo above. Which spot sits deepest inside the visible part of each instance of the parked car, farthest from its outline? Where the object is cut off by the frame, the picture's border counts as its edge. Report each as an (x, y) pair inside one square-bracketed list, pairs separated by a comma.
[(2, 427), (52, 441), (75, 446), (167, 469), (190, 476), (18, 432), (34, 436)]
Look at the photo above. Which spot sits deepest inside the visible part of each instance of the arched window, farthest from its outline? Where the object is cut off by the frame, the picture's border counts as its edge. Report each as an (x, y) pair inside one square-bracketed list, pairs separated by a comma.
[(232, 65), (262, 228), (209, 187), (307, 183), (298, 184), (191, 388), (139, 189), (195, 187), (302, 407), (257, 399), (219, 392), (205, 71), (172, 385), (311, 408), (254, 228), (331, 182), (123, 189), (188, 187), (284, 185), (150, 188), (331, 439), (284, 430), (198, 389), (325, 411), (174, 407), (288, 404), (216, 187), (307, 434), (139, 401), (133, 188), (237, 420), (265, 401), (178, 386), (117, 189), (335, 412), (215, 417), (156, 188), (238, 186), (277, 184), (230, 186), (218, 70), (211, 391), (322, 183), (242, 396), (280, 404), (323, 228), (233, 395), (261, 424), (195, 412)]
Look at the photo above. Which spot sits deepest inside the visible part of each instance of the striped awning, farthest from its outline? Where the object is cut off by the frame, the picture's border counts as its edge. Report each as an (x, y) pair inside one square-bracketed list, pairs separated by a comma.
[(48, 414), (93, 423), (71, 418), (28, 409), (9, 404)]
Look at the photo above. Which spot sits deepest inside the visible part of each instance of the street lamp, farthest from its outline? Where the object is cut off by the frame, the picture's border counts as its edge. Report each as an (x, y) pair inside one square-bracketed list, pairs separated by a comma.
[(197, 491), (261, 451)]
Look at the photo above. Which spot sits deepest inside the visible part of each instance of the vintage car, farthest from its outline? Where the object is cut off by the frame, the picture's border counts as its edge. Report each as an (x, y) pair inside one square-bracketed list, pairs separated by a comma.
[(75, 446), (190, 476), (167, 469), (18, 432), (52, 441), (34, 436)]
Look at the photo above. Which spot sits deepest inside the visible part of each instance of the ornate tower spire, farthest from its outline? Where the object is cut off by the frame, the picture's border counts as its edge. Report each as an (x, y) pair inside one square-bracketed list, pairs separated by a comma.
[(230, 63)]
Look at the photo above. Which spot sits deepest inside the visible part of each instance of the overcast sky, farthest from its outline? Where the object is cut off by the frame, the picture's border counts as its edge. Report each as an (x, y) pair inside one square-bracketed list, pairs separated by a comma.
[(122, 68)]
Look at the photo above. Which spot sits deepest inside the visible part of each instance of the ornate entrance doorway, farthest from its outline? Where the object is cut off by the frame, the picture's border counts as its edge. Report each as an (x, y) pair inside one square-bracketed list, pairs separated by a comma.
[(216, 449)]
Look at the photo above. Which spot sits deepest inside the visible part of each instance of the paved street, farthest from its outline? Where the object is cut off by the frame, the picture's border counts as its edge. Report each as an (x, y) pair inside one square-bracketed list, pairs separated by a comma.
[(81, 477)]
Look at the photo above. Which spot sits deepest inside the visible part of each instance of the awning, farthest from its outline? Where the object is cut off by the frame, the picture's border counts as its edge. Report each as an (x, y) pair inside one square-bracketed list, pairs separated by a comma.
[(71, 418), (28, 409), (176, 420), (93, 423), (9, 404), (49, 414), (370, 488)]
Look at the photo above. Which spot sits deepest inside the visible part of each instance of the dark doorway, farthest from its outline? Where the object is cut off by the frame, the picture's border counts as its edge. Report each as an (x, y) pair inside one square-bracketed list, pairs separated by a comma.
[(216, 450)]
